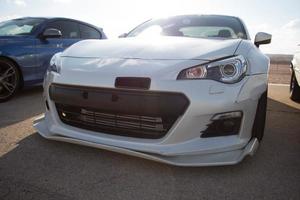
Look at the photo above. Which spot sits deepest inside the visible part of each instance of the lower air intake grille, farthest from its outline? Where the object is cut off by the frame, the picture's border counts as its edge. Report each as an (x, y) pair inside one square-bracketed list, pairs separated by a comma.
[(118, 124), (131, 113)]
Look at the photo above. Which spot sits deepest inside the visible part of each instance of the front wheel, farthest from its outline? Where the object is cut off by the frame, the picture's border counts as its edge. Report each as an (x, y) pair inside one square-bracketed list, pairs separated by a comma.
[(9, 80), (294, 88)]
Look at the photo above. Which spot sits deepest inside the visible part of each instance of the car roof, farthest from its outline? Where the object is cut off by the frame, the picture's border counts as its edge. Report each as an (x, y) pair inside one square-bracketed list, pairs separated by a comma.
[(209, 15), (61, 18), (197, 15)]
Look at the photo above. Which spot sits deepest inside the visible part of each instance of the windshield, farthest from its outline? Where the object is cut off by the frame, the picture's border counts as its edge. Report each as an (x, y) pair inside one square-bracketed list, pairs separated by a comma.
[(192, 26), (19, 26)]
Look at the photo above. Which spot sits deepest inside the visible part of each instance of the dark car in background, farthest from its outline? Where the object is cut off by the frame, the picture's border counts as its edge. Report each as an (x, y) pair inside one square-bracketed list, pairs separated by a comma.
[(27, 45)]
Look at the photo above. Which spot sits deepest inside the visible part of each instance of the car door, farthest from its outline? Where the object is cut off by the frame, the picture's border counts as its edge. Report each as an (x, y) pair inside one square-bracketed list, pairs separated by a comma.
[(47, 47)]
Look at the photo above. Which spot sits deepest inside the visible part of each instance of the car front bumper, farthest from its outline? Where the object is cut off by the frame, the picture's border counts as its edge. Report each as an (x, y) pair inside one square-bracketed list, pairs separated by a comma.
[(205, 159), (183, 144)]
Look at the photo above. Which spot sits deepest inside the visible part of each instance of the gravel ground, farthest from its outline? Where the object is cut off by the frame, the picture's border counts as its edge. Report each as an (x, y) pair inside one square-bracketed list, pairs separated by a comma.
[(280, 73)]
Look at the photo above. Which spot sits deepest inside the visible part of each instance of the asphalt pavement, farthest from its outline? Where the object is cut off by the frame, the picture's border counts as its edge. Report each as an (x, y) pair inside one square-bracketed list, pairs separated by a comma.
[(35, 168)]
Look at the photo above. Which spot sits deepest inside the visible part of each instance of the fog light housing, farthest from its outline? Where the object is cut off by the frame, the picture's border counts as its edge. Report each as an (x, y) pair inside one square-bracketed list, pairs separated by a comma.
[(224, 124)]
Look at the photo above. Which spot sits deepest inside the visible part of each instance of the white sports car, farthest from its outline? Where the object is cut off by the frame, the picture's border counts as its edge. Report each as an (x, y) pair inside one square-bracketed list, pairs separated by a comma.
[(187, 90)]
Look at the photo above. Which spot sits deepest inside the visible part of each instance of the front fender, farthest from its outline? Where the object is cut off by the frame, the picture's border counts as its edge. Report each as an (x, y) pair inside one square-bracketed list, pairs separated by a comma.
[(23, 53), (259, 63)]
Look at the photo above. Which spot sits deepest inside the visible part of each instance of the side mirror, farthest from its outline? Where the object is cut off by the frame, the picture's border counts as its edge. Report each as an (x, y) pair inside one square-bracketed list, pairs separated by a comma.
[(262, 38), (123, 35), (51, 33)]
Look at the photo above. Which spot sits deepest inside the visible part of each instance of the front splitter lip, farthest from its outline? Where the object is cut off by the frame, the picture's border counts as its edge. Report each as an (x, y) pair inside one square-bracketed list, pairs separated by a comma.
[(210, 159)]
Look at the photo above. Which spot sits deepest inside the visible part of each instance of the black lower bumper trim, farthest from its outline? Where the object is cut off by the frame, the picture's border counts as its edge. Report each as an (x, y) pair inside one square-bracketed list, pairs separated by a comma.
[(134, 113), (134, 102)]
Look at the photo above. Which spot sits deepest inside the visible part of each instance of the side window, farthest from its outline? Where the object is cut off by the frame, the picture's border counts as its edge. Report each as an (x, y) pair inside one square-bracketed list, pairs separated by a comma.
[(89, 32), (68, 29)]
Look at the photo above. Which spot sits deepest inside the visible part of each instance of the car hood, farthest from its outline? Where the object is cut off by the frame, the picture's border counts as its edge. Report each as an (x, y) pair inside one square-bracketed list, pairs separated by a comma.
[(168, 48)]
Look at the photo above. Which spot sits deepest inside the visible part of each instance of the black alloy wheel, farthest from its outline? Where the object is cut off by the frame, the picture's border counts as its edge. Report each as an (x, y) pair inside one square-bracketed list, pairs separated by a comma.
[(9, 80)]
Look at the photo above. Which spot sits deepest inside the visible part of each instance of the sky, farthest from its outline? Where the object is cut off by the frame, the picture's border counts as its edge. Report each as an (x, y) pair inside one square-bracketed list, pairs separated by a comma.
[(281, 18)]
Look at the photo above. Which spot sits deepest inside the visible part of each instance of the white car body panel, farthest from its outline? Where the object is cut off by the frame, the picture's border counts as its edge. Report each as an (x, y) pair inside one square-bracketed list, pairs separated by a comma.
[(99, 63), (259, 62), (165, 48), (296, 65)]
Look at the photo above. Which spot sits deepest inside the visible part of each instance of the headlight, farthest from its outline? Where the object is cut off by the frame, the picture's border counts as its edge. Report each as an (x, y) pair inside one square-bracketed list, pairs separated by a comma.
[(55, 63), (228, 70)]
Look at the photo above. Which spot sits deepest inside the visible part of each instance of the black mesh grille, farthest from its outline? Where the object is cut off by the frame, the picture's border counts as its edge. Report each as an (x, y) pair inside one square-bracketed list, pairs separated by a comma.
[(138, 114), (117, 124)]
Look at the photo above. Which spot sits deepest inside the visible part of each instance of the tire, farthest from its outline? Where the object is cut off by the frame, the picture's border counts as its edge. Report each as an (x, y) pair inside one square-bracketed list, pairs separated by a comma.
[(260, 117), (294, 88), (9, 80)]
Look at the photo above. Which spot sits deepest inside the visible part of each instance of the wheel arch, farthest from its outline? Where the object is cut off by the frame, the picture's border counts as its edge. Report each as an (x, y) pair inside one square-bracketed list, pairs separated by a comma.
[(18, 67), (258, 126)]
